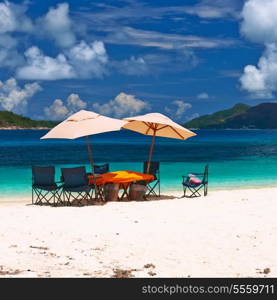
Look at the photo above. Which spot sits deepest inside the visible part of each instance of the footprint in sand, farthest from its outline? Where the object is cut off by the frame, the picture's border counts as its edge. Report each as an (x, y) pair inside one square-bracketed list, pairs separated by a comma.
[(39, 247), (152, 273), (149, 266), (264, 271)]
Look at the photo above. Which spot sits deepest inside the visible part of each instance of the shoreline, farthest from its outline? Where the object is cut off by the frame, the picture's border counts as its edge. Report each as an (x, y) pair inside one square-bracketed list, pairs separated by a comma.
[(25, 199), (169, 192)]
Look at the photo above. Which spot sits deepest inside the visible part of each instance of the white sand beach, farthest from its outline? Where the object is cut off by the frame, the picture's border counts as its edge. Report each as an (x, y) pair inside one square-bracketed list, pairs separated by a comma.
[(226, 234)]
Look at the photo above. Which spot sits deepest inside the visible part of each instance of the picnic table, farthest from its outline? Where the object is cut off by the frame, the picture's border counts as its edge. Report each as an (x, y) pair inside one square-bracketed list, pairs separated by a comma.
[(122, 178)]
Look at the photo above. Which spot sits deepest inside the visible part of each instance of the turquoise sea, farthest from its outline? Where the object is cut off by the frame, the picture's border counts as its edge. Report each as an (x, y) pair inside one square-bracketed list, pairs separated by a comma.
[(236, 158)]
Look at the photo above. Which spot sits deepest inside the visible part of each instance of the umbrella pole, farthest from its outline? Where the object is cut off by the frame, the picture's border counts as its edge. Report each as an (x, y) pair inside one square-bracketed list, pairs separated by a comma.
[(151, 150), (90, 155), (92, 168)]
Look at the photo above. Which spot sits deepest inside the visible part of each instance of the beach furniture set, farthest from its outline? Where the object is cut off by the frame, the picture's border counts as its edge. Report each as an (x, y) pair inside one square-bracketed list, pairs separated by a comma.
[(79, 187)]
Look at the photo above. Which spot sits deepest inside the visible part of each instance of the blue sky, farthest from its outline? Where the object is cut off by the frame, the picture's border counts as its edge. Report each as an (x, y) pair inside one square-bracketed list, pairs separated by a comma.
[(129, 57)]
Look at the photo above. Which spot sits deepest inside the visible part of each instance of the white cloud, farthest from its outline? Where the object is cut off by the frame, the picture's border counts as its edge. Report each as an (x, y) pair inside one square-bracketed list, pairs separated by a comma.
[(58, 25), (122, 105), (13, 18), (7, 42), (59, 110), (9, 56), (56, 111), (134, 66), (166, 41), (213, 9), (88, 60), (7, 18), (75, 103), (155, 63), (107, 16), (261, 81), (178, 108), (203, 96), (75, 60), (14, 98), (81, 61), (260, 21), (259, 25), (43, 67), (206, 12)]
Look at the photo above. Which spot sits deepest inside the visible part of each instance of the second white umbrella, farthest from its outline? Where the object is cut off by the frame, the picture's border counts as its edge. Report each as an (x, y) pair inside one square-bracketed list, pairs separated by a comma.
[(156, 124)]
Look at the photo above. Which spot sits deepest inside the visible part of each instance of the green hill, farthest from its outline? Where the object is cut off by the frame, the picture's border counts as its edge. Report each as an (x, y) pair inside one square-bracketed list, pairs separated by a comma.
[(9, 119), (262, 116), (217, 119)]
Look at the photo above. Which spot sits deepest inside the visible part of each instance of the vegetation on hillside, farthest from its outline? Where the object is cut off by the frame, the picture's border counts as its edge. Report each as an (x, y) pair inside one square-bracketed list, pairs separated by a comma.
[(217, 119), (261, 116), (10, 119)]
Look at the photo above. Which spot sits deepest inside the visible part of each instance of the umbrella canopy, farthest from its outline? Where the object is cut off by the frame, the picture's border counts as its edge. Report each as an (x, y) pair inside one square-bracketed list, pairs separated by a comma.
[(156, 124), (84, 123)]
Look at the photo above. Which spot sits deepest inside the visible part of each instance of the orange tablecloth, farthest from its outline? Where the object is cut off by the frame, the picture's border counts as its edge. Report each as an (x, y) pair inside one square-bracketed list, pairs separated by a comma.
[(121, 177)]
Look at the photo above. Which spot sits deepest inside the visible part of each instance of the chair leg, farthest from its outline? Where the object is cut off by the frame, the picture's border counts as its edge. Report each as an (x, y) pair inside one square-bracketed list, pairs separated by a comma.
[(40, 196), (124, 193), (90, 194), (206, 190), (89, 197), (195, 192), (60, 198), (159, 189), (185, 189), (54, 202), (57, 197), (77, 197), (67, 197), (151, 189), (99, 193)]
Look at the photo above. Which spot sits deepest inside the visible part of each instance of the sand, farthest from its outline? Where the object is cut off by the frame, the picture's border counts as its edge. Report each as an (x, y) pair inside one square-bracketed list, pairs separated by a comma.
[(226, 234)]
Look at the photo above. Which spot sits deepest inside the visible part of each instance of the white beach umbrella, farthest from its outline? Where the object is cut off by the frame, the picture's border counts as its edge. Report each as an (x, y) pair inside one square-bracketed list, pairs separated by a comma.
[(84, 123), (156, 124)]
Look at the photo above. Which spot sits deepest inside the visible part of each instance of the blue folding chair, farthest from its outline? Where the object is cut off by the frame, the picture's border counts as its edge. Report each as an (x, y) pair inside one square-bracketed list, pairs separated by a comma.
[(154, 187), (44, 187), (76, 185), (194, 182), (101, 169)]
